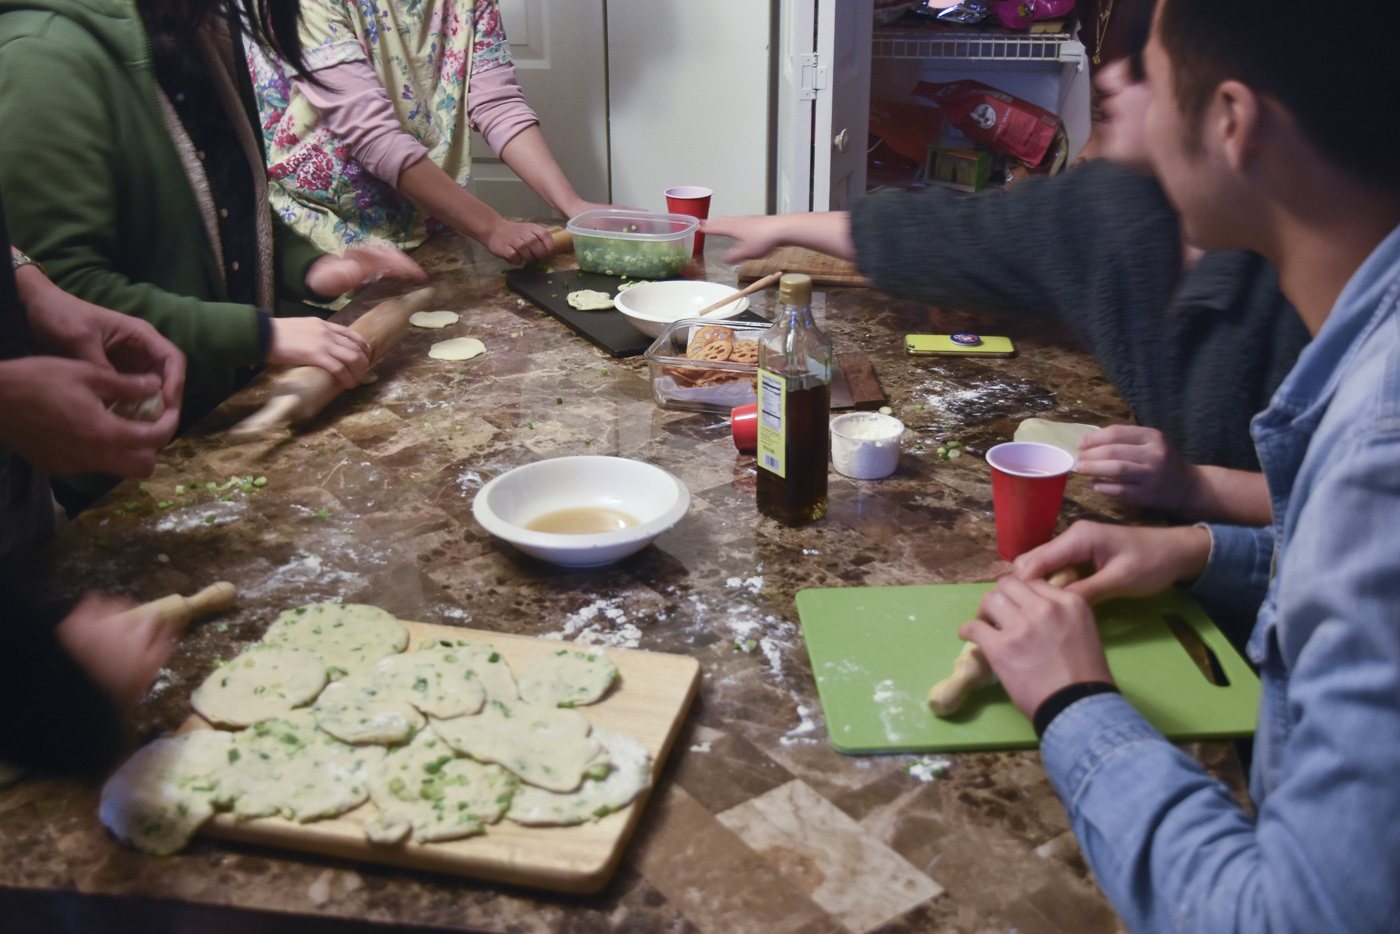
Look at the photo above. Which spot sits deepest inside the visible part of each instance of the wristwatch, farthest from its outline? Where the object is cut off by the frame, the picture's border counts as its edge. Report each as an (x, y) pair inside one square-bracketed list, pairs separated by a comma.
[(18, 259)]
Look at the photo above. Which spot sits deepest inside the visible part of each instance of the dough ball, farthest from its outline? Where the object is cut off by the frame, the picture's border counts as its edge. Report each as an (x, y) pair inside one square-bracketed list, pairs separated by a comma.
[(433, 319), (458, 348), (145, 410), (590, 300), (260, 682), (567, 678)]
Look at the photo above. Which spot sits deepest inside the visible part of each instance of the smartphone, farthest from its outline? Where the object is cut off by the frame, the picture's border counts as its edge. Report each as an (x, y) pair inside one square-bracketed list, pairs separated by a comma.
[(959, 345)]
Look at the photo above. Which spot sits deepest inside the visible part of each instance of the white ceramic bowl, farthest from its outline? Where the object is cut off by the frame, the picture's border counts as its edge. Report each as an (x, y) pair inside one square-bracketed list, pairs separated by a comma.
[(653, 305), (517, 497)]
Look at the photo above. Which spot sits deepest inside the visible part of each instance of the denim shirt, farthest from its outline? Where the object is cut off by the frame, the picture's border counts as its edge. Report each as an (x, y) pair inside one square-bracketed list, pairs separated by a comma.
[(1170, 847)]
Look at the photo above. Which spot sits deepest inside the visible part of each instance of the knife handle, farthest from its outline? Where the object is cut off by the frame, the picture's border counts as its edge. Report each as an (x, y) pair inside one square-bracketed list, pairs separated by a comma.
[(971, 669)]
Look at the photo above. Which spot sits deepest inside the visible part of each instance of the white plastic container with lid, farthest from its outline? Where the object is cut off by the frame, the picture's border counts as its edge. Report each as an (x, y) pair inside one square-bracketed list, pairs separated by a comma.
[(637, 244), (865, 445)]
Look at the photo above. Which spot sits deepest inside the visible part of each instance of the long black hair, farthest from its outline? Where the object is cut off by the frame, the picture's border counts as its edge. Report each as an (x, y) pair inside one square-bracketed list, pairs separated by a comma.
[(272, 24)]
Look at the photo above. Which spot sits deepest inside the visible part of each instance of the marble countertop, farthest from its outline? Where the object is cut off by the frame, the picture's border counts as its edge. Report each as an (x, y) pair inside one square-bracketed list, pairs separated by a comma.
[(757, 824)]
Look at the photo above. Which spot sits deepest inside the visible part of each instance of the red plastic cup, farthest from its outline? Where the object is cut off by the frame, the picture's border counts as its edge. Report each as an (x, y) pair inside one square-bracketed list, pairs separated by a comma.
[(743, 425), (692, 201), (1028, 485)]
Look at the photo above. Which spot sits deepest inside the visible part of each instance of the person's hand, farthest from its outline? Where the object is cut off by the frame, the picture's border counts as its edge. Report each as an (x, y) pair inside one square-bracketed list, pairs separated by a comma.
[(1138, 465), (332, 276), (54, 413), (518, 242), (753, 236), (333, 347), (1128, 561), (64, 325), (123, 656), (1038, 639)]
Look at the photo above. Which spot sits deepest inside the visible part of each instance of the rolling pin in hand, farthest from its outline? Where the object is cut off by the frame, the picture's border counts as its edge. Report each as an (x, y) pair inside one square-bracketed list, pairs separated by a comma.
[(176, 611), (970, 668), (302, 392)]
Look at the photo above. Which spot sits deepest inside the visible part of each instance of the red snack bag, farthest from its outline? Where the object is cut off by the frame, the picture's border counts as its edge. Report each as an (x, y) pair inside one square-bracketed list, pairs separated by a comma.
[(1005, 123), (1019, 14)]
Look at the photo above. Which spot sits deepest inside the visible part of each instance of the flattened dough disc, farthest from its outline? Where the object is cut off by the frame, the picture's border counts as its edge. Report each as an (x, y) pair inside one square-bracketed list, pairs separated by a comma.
[(261, 681), (433, 319), (590, 300), (458, 348), (1062, 435)]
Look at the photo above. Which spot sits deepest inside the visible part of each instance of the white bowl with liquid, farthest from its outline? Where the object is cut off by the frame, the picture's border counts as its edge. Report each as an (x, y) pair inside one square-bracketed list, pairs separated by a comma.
[(581, 512)]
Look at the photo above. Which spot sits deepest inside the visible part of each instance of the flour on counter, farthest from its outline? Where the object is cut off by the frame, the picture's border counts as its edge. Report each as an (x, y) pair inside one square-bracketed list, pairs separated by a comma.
[(752, 584), (807, 725), (929, 768), (602, 622)]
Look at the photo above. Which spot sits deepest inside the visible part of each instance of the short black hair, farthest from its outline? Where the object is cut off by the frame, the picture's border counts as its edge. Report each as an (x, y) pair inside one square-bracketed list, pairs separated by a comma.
[(1332, 67), (1138, 31)]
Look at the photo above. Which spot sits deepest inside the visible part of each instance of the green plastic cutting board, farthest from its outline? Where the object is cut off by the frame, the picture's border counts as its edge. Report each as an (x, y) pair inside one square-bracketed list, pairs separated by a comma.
[(876, 651)]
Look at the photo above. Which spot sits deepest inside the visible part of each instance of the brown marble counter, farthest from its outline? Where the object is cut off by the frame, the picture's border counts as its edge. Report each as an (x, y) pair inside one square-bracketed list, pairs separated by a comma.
[(757, 825)]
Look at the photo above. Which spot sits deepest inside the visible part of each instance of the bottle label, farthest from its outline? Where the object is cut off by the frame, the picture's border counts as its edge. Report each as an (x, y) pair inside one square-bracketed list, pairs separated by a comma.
[(772, 422)]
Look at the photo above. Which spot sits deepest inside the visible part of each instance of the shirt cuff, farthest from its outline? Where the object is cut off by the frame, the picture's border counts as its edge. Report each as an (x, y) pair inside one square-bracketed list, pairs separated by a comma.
[(1085, 735), (1055, 704), (1240, 564)]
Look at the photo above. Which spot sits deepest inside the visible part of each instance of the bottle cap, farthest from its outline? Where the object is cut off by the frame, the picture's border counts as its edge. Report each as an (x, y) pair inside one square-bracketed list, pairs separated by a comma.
[(967, 340), (795, 289)]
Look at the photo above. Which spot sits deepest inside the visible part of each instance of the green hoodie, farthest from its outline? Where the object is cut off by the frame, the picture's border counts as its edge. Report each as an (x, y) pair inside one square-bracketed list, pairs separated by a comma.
[(97, 190)]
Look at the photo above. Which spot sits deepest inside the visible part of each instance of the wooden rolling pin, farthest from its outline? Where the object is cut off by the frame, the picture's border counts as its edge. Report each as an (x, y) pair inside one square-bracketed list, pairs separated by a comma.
[(563, 240), (970, 668), (176, 611), (302, 392)]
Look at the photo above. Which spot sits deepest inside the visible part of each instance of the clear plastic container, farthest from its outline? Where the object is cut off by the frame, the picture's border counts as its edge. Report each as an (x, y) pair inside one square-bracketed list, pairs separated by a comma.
[(695, 385), (635, 244)]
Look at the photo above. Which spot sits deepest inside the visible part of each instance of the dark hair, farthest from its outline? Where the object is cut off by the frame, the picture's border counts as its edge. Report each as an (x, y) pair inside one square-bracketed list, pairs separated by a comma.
[(1336, 73), (272, 24), (1137, 32)]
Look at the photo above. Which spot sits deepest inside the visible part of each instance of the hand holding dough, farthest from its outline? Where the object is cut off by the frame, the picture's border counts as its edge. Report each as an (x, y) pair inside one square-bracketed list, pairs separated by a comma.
[(970, 668)]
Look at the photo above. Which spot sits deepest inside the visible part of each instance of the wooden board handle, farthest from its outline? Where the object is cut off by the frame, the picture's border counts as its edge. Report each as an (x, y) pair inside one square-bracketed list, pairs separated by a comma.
[(971, 669), (177, 611), (302, 392)]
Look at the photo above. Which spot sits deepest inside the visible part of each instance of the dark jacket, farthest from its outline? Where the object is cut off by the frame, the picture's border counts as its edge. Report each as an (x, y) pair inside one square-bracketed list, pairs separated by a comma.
[(1194, 353), (104, 190)]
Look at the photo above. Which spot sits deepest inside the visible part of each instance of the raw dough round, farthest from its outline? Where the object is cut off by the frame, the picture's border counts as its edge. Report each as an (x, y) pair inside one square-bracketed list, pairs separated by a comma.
[(632, 285), (458, 348), (1062, 435), (145, 410), (596, 797), (163, 793), (287, 766), (261, 681), (567, 678), (378, 705), (349, 636), (590, 300), (545, 746), (433, 319), (426, 788), (353, 712)]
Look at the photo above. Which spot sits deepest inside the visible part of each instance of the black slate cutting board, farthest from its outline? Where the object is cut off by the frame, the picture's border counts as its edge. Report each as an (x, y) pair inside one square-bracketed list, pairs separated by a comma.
[(609, 330)]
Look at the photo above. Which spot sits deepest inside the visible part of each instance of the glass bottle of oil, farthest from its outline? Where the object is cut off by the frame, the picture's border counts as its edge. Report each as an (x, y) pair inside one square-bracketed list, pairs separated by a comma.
[(794, 404)]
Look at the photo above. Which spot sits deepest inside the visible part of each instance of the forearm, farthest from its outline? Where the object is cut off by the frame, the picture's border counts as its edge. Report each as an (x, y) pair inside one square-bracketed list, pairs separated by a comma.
[(433, 190), (528, 156), (828, 233), (1239, 497)]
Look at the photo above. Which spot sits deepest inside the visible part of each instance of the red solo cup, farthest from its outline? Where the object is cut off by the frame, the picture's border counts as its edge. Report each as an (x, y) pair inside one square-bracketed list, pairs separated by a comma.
[(692, 201), (1028, 485), (743, 425)]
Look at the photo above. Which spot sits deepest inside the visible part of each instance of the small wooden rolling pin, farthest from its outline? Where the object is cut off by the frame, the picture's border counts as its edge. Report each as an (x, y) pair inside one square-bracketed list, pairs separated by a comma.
[(301, 392), (176, 611), (970, 668)]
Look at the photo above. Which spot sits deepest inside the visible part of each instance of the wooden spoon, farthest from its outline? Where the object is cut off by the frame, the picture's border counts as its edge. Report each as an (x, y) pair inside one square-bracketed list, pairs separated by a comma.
[(754, 286)]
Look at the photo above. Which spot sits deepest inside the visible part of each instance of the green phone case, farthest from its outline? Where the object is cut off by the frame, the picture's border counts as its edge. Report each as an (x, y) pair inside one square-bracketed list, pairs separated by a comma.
[(920, 345)]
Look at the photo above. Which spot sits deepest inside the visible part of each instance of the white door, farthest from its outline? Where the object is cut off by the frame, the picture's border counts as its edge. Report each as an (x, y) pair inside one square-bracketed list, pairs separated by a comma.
[(560, 57), (823, 103)]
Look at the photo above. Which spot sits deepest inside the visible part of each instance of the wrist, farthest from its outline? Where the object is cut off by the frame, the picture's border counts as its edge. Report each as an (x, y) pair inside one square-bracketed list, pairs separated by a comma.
[(1193, 549), (31, 283)]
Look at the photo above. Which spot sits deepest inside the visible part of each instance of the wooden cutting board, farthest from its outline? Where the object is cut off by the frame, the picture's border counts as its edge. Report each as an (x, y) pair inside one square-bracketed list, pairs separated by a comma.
[(649, 703), (824, 269)]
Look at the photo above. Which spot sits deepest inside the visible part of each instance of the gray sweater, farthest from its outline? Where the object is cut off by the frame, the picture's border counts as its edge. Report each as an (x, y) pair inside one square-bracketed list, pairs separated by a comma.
[(1194, 353)]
